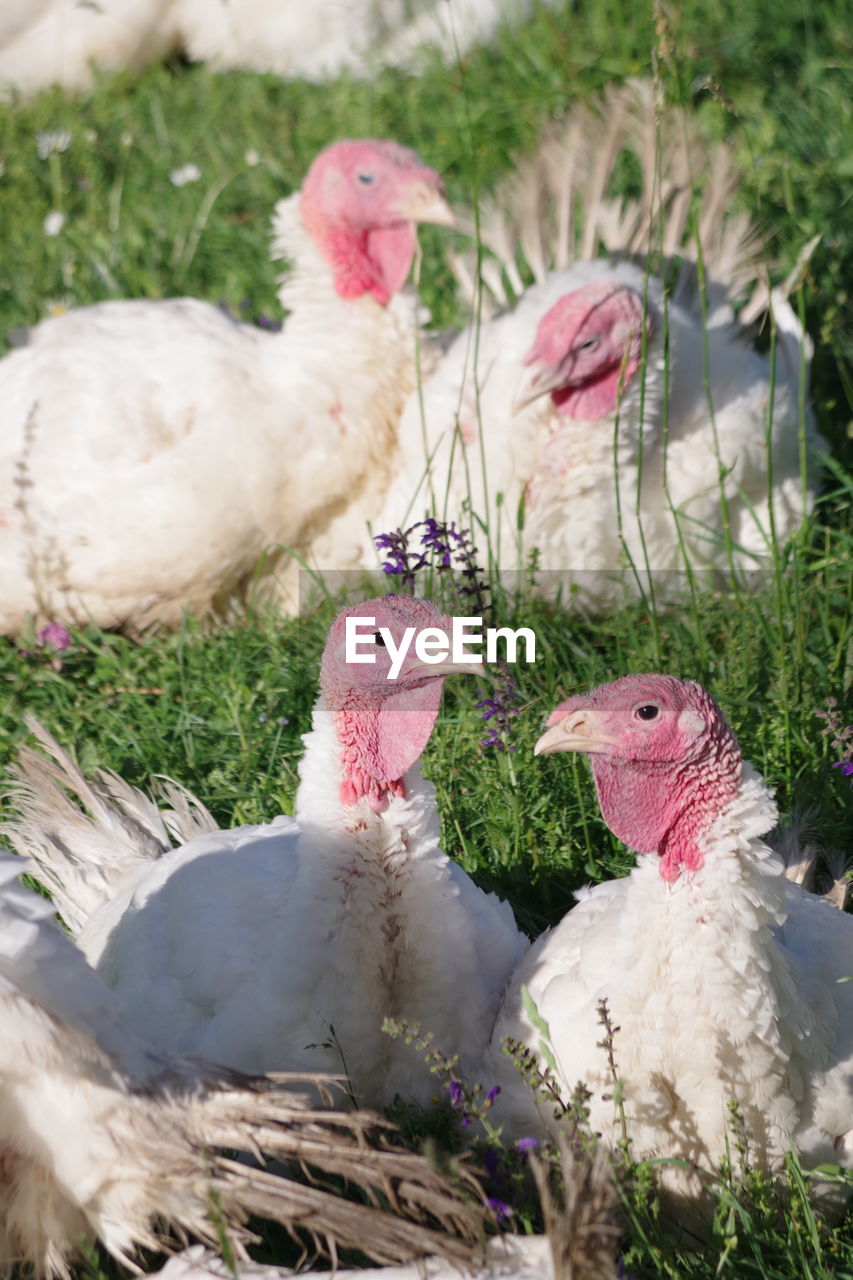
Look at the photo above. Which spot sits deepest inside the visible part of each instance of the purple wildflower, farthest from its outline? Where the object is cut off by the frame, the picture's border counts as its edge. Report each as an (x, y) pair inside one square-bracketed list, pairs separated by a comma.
[(490, 1162), (527, 1144), (841, 737), (442, 547), (502, 1210), (493, 1093), (400, 561), (501, 708), (457, 1099), (245, 306), (54, 636), (441, 540), (448, 549)]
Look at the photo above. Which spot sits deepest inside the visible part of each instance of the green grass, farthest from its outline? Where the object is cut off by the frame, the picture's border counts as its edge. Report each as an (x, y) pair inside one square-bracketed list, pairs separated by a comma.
[(223, 712)]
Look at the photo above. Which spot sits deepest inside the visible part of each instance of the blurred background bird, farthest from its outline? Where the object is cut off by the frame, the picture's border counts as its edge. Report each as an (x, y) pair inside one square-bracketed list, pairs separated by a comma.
[(613, 413), (153, 452)]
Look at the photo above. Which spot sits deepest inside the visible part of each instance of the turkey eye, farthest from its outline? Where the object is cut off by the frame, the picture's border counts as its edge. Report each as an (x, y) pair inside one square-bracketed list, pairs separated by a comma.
[(380, 639), (647, 713), (589, 345), (366, 179)]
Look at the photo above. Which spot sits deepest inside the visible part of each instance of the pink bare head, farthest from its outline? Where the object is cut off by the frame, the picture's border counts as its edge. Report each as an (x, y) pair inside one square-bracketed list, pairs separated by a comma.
[(360, 201), (665, 761), (586, 350), (383, 724)]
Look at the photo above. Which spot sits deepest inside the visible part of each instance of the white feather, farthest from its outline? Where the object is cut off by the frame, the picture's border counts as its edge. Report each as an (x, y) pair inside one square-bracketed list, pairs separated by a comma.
[(44, 42), (509, 1258), (102, 1138)]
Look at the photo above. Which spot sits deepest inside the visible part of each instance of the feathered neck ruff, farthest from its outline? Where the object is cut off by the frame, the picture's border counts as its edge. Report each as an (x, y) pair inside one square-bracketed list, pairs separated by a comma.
[(338, 790)]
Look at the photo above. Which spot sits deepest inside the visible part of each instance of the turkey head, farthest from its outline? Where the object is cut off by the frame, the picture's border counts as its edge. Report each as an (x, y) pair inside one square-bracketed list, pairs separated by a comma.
[(383, 721), (664, 760), (588, 347), (360, 202)]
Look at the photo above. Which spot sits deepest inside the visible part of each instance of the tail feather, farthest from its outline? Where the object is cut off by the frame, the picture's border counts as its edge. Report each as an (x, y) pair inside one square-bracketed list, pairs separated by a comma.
[(102, 1138), (91, 839), (557, 207), (582, 1225), (793, 344), (807, 863)]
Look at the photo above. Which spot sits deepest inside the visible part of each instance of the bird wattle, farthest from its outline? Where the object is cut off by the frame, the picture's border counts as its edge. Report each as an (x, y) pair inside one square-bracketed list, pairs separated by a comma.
[(376, 261), (596, 398), (381, 738), (389, 251), (667, 808), (356, 784)]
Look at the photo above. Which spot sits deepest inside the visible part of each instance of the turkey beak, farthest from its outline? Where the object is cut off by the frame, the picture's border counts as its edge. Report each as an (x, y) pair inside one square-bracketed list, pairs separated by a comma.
[(578, 731), (537, 378), (425, 202), (446, 666)]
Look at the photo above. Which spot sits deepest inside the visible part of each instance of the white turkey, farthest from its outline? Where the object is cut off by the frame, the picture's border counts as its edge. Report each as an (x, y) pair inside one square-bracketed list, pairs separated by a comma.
[(577, 422), (45, 42), (725, 981), (284, 946), (103, 1138), (320, 40), (154, 451)]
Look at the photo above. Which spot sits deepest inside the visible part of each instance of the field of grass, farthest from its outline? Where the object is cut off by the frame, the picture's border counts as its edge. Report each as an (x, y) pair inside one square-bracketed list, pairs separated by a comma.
[(223, 712)]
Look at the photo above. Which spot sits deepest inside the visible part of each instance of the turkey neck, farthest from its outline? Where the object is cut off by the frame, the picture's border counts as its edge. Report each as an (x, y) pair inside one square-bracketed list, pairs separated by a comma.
[(364, 880), (350, 364), (308, 291), (362, 849)]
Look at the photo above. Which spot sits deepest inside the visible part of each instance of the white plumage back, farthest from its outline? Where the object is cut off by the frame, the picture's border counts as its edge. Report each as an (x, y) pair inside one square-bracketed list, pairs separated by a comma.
[(44, 42), (103, 1139)]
